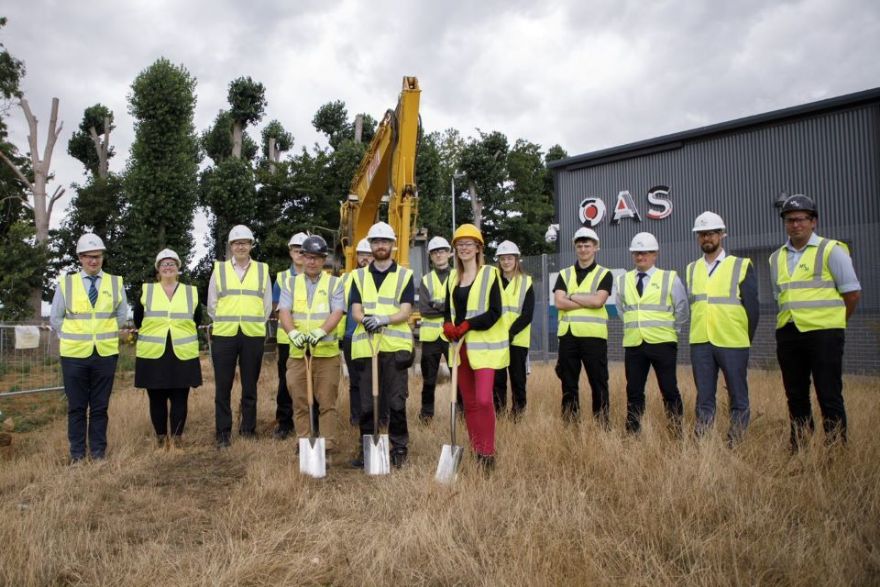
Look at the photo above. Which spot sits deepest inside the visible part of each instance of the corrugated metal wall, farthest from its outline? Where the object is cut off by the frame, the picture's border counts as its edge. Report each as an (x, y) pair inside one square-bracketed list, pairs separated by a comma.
[(833, 157)]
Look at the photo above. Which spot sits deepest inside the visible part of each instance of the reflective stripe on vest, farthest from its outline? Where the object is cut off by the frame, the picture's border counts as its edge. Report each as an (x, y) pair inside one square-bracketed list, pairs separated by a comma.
[(650, 317), (717, 313), (512, 299), (808, 297), (307, 317), (583, 322), (86, 328), (384, 302), (240, 302), (281, 279), (486, 349), (162, 316), (430, 329)]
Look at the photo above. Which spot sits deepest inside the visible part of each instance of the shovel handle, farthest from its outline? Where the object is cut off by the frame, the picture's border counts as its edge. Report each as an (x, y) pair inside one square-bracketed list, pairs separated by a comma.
[(307, 359), (456, 359)]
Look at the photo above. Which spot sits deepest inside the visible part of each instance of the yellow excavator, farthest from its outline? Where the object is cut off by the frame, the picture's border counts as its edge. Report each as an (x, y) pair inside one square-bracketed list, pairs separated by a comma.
[(386, 179)]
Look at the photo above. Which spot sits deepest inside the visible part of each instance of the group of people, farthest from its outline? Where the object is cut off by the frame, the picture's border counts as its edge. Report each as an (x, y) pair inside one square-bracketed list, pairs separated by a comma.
[(466, 305)]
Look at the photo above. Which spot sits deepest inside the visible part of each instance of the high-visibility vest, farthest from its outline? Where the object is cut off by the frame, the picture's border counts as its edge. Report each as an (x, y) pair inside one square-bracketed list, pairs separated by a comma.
[(808, 296), (86, 328), (382, 302), (240, 302), (162, 316), (307, 317), (346, 291), (512, 299), (583, 322), (430, 329), (486, 349), (717, 313), (281, 279), (650, 317)]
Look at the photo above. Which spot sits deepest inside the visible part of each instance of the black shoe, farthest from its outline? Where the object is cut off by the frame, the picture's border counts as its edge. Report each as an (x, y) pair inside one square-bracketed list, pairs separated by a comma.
[(486, 463), (250, 434), (161, 441), (425, 419), (77, 460), (281, 433), (223, 440), (398, 458), (357, 462)]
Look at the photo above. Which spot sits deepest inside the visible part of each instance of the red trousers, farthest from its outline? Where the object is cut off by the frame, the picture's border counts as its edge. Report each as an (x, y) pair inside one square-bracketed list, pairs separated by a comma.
[(479, 408)]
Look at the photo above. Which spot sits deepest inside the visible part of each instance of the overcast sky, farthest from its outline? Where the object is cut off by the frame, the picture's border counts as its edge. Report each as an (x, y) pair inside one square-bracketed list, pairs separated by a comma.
[(585, 74)]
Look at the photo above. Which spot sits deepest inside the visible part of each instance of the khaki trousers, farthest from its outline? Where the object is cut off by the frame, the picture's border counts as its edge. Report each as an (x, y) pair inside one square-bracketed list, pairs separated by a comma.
[(325, 386)]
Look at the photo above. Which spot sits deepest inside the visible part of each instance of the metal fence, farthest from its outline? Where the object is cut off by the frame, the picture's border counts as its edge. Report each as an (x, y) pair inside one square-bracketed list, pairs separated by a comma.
[(29, 360)]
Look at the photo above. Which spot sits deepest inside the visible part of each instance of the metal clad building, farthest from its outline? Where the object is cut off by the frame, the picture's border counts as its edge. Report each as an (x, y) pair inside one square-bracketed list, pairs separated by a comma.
[(828, 150)]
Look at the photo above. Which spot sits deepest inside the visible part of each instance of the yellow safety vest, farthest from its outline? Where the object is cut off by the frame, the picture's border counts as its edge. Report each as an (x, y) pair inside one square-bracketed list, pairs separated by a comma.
[(307, 317), (281, 279), (240, 302), (384, 302), (650, 317), (486, 349), (513, 297), (808, 297), (583, 322), (86, 328), (430, 329), (717, 313), (346, 291), (162, 316)]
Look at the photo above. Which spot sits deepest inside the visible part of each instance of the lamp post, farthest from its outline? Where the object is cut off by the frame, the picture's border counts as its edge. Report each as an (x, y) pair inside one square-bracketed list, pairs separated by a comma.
[(455, 175)]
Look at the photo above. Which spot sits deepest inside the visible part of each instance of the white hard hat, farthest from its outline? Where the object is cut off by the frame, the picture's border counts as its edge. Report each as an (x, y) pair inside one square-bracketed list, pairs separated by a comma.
[(506, 248), (645, 242), (167, 254), (298, 239), (381, 230), (584, 232), (89, 242), (364, 247), (438, 242), (708, 221), (241, 232)]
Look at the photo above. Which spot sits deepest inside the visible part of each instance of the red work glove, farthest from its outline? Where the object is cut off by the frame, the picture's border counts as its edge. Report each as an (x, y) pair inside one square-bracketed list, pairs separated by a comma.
[(449, 331), (462, 329)]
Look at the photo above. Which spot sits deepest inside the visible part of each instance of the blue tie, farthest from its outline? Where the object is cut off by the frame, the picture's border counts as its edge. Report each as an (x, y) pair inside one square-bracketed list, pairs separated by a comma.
[(639, 284), (93, 291)]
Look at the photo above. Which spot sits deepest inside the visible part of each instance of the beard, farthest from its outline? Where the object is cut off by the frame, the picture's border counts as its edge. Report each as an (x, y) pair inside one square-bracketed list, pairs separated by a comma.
[(710, 248), (381, 254)]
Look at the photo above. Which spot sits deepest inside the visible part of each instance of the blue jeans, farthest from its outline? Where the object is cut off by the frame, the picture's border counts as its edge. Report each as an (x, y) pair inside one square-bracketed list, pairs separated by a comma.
[(87, 384), (706, 360)]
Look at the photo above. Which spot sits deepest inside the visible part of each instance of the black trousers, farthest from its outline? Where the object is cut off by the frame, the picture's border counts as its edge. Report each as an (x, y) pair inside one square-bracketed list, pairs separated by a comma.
[(819, 354), (393, 391), (637, 362), (283, 401), (247, 352), (518, 359), (432, 352), (159, 400), (87, 385), (592, 353), (354, 383)]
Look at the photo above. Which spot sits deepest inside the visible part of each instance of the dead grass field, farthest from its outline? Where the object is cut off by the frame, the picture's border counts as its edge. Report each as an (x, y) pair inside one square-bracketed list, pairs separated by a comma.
[(565, 506)]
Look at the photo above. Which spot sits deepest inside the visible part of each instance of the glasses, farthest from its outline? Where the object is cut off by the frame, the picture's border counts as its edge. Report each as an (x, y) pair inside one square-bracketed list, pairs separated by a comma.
[(91, 257), (466, 245), (708, 233), (241, 243), (168, 264), (798, 219), (642, 253)]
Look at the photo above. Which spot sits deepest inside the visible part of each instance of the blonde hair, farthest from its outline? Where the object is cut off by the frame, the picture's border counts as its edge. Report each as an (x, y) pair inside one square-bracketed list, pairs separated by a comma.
[(481, 259)]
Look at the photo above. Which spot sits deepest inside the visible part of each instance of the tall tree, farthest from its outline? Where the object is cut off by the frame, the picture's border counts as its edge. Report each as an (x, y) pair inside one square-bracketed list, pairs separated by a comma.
[(483, 161), (161, 178), (247, 101), (91, 143)]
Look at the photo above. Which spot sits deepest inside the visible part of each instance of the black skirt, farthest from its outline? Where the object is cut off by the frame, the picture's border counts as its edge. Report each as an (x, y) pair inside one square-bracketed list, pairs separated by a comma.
[(167, 372)]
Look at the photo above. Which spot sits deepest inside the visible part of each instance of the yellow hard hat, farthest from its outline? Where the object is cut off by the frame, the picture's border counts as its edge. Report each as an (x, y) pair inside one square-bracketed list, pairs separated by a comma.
[(468, 231)]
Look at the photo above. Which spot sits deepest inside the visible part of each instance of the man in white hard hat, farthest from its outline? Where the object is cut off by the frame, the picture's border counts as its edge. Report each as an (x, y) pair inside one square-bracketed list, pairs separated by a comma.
[(382, 297), (579, 294), (364, 258), (240, 303), (284, 403), (432, 303), (89, 309), (653, 305), (723, 295)]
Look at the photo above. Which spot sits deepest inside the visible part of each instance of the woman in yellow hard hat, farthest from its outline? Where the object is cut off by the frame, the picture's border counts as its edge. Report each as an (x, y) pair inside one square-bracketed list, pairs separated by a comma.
[(167, 362), (473, 317)]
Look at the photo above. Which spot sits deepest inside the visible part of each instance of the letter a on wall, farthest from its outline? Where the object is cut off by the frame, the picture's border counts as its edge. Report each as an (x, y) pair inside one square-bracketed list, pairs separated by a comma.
[(625, 208)]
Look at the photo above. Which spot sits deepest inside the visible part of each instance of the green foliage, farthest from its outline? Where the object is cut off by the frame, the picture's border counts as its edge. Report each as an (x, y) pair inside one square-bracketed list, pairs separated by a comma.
[(283, 139), (21, 270), (161, 179), (216, 140), (530, 207), (228, 190), (435, 210), (12, 71), (332, 120), (247, 100), (80, 145), (484, 161)]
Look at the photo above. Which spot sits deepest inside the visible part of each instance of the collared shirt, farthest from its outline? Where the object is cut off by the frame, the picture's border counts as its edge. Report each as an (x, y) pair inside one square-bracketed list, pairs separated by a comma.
[(276, 287), (59, 307), (839, 264), (712, 265), (679, 299), (337, 296), (240, 271)]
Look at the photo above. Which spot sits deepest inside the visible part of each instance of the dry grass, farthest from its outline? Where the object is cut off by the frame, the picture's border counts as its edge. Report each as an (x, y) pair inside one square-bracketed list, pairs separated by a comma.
[(565, 505)]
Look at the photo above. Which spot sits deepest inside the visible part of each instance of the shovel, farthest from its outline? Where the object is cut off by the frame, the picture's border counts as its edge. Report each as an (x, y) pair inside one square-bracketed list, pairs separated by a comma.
[(377, 459), (312, 452), (450, 454)]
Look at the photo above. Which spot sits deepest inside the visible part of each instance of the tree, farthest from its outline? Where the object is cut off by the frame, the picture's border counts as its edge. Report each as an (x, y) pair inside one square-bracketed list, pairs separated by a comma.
[(275, 141), (483, 162), (247, 101), (530, 205), (91, 143), (161, 177)]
